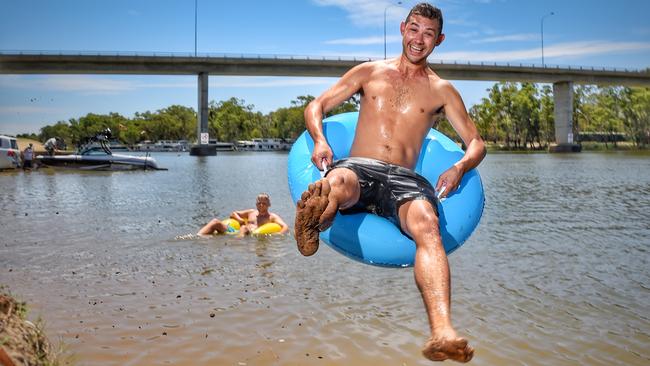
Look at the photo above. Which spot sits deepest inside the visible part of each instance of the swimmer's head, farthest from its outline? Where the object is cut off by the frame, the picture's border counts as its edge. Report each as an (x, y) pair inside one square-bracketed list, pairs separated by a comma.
[(428, 11), (263, 199)]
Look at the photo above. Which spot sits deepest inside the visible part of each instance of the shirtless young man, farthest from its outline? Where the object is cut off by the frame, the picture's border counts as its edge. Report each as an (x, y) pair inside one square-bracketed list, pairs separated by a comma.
[(249, 220), (401, 98)]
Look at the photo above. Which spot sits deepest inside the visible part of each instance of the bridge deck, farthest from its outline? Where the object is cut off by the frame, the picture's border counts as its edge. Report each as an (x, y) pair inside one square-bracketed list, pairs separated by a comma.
[(247, 65)]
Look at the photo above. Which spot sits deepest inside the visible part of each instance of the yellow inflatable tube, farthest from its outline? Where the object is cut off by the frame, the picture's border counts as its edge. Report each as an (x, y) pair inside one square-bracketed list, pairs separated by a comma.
[(268, 228), (233, 227)]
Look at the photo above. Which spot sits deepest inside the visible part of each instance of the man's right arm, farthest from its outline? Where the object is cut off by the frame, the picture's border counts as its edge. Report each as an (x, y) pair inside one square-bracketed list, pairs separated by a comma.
[(241, 216), (345, 87)]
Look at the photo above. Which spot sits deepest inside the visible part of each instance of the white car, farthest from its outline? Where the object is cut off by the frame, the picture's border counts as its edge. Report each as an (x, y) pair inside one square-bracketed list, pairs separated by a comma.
[(9, 153)]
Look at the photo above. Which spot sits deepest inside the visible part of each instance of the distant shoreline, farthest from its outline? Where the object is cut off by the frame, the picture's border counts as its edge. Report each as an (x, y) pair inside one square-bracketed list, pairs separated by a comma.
[(586, 147)]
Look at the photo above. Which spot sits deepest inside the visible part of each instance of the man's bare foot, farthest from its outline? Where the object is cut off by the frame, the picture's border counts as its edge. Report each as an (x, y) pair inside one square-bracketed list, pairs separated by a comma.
[(440, 349), (309, 210)]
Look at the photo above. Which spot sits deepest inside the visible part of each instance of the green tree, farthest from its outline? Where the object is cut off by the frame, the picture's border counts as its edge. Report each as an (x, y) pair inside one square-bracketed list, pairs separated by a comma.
[(636, 115), (525, 109), (351, 105), (184, 119), (547, 115), (232, 120), (607, 113), (60, 129)]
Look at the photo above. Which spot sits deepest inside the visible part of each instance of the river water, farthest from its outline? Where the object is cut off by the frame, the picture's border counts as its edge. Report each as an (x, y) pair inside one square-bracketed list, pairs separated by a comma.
[(557, 272)]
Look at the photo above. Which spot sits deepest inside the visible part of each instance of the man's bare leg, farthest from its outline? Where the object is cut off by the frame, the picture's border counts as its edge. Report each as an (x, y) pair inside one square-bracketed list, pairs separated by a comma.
[(317, 206), (433, 280), (212, 226)]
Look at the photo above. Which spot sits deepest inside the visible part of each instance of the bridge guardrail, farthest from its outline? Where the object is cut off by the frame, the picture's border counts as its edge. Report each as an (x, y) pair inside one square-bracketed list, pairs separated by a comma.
[(307, 57)]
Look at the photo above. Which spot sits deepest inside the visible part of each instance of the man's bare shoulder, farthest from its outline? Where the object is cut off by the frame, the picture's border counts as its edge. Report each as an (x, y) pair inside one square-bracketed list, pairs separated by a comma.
[(365, 72), (441, 86), (377, 64), (436, 81), (368, 68)]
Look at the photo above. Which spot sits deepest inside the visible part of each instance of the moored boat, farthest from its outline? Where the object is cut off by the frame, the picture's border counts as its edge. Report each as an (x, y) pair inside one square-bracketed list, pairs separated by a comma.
[(97, 155)]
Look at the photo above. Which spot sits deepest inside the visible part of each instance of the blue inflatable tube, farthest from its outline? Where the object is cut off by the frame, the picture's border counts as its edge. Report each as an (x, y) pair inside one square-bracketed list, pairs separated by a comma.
[(373, 239)]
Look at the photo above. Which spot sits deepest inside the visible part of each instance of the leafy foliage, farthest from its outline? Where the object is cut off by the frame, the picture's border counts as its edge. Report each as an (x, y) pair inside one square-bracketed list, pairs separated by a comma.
[(515, 115), (521, 115)]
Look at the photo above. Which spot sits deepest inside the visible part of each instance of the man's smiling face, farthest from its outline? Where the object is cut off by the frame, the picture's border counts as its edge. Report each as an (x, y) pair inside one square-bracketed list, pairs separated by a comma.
[(420, 35)]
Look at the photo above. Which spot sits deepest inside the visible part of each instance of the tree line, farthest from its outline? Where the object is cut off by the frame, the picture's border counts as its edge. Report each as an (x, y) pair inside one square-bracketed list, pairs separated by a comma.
[(521, 115), (229, 121), (513, 115)]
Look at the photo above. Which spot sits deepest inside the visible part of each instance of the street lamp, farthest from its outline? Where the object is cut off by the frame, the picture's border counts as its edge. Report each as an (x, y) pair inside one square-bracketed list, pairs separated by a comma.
[(386, 8), (195, 16), (542, 32)]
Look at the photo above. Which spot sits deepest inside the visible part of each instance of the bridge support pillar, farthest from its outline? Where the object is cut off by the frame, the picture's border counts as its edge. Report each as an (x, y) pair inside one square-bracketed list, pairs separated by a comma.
[(563, 96), (203, 148)]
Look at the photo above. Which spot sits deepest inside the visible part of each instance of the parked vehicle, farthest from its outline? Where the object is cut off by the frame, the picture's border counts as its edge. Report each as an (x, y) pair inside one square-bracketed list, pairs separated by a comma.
[(9, 153)]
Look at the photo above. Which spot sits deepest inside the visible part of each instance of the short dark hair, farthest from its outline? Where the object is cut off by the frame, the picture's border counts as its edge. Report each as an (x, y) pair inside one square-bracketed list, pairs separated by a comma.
[(428, 11)]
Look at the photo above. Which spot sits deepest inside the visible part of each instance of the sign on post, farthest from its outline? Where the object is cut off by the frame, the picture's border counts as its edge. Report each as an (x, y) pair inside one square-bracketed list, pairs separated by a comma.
[(205, 138)]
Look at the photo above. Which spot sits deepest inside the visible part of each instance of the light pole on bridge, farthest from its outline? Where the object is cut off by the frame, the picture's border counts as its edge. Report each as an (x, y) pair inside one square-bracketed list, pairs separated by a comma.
[(386, 8), (542, 33), (195, 17)]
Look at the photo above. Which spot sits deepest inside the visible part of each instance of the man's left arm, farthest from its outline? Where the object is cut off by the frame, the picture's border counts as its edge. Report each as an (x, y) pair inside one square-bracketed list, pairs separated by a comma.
[(278, 220), (461, 122)]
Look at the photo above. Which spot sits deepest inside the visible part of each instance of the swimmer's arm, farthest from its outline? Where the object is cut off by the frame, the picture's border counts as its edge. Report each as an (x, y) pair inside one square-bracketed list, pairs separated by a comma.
[(461, 122), (348, 85), (241, 216), (278, 220)]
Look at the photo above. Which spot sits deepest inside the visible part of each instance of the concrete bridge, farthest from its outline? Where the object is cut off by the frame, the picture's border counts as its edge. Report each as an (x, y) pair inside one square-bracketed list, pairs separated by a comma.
[(562, 78)]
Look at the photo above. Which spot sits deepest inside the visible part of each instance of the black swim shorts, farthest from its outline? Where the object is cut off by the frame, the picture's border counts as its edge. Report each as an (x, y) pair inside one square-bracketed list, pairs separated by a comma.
[(385, 187)]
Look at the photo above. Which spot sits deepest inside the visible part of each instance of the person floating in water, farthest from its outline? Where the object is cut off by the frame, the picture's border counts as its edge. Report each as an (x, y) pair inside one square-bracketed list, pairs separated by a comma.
[(401, 99), (249, 219)]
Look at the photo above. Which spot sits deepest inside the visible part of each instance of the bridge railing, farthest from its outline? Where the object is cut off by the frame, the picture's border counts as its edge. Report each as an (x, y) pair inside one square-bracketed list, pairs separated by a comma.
[(307, 57)]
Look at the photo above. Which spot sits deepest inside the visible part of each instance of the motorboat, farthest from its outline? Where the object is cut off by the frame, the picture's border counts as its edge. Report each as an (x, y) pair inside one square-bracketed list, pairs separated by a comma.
[(97, 155)]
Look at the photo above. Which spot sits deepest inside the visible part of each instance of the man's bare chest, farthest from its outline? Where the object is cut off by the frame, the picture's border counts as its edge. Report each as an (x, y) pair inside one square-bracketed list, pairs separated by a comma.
[(400, 95)]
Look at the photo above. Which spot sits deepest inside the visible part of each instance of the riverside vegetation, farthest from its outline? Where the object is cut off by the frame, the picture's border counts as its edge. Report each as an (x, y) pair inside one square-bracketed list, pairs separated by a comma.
[(514, 116), (21, 341)]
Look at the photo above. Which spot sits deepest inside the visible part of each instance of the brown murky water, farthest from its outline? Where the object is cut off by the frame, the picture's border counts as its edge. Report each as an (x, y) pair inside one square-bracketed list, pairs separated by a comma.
[(557, 272)]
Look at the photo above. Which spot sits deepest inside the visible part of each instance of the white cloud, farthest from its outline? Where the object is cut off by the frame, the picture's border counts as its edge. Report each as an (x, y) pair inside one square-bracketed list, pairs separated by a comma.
[(90, 85), (572, 49), (68, 83)]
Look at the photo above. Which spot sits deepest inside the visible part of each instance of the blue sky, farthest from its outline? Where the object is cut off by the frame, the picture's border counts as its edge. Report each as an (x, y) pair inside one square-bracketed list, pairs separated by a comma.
[(581, 32)]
